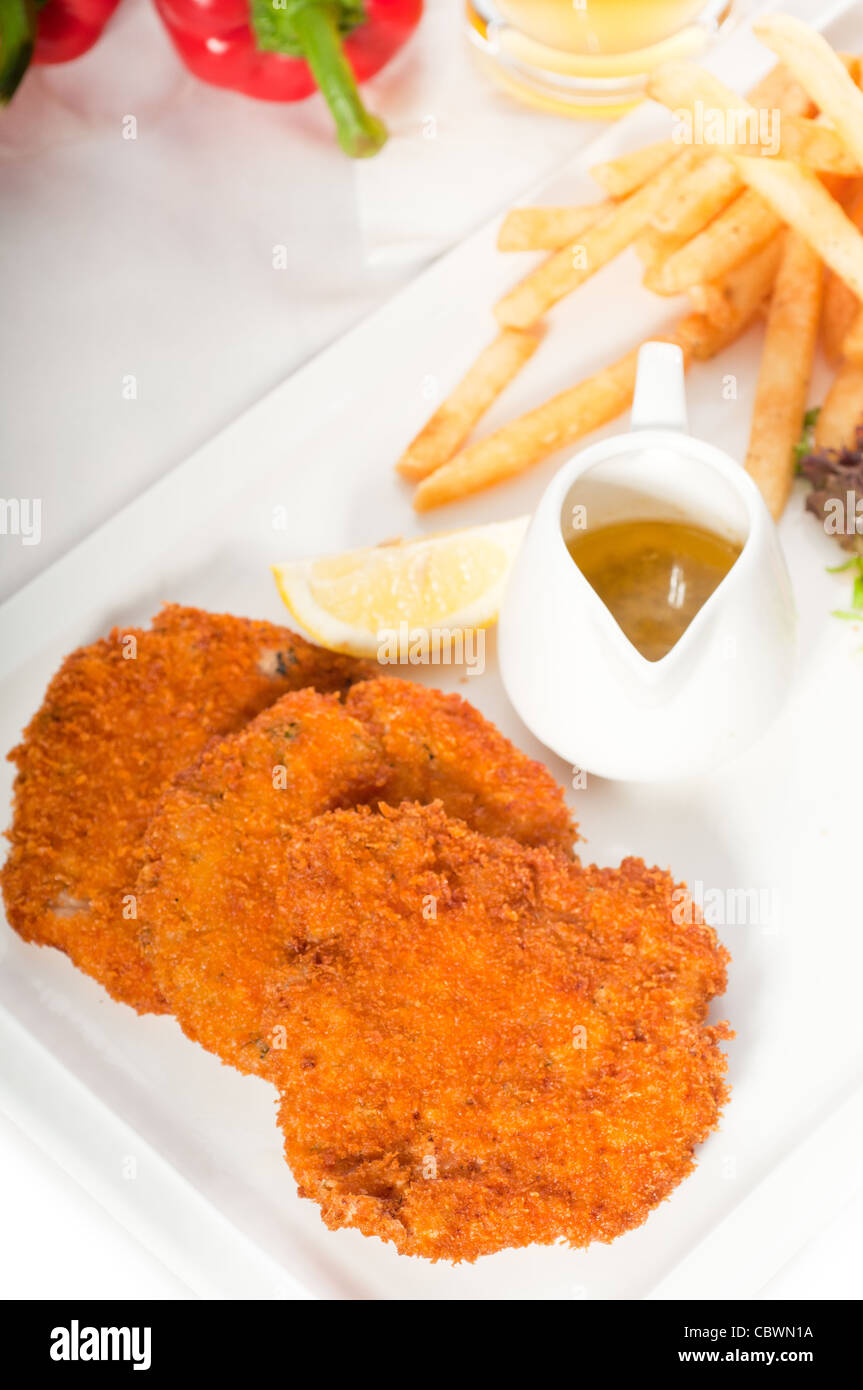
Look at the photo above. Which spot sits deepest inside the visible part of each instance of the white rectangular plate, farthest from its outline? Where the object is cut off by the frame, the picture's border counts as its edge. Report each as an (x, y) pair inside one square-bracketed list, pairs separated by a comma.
[(186, 1152)]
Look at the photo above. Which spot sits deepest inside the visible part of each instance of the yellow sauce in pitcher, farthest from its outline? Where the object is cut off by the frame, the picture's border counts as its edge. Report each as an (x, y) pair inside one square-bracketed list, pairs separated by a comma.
[(653, 576)]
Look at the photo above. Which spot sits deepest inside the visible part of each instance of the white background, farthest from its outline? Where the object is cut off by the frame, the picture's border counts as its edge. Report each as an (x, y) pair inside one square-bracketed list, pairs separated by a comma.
[(154, 257)]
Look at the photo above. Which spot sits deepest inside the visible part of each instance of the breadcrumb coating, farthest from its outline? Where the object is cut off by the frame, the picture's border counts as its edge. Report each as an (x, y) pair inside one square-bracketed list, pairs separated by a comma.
[(304, 756), (119, 720), (478, 1044), (438, 747), (485, 1046)]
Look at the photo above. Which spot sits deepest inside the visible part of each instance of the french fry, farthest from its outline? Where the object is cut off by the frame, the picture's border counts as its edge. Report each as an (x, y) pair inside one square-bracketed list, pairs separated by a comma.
[(743, 293), (568, 268), (547, 229), (852, 343), (804, 141), (778, 89), (786, 366), (698, 198), (532, 437), (455, 417), (731, 238), (711, 299), (838, 312), (853, 67), (594, 402), (808, 55), (803, 202), (839, 303), (620, 177), (708, 300), (714, 182), (842, 410), (720, 300), (654, 247), (684, 189), (795, 195)]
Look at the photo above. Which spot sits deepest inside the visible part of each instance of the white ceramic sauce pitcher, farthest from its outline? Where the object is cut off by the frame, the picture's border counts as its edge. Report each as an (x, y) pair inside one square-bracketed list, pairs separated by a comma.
[(575, 679)]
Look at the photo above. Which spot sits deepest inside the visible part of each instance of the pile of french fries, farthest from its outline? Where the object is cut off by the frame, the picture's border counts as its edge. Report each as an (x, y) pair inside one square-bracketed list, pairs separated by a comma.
[(743, 228)]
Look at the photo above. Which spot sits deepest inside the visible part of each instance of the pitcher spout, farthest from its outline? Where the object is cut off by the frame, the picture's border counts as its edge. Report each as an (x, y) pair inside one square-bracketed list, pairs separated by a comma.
[(659, 402)]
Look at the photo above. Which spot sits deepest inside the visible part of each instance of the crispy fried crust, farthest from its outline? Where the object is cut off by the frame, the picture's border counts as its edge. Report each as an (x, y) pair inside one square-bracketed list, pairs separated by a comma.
[(477, 1044), (119, 720), (439, 747), (437, 1088), (225, 823)]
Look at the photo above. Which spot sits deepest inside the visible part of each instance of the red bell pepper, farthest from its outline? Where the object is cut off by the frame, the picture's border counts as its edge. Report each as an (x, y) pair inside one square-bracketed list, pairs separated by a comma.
[(46, 31), (284, 50)]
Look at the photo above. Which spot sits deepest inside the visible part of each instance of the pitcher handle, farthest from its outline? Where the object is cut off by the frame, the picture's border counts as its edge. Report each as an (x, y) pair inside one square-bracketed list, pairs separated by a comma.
[(659, 402)]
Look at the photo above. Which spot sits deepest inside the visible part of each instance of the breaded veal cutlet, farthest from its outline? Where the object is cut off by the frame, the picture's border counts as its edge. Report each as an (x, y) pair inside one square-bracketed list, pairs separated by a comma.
[(478, 1044), (127, 715), (358, 889), (119, 720), (306, 755)]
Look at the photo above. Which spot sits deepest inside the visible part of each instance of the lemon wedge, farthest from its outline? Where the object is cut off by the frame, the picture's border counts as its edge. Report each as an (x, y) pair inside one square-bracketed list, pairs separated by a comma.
[(352, 602)]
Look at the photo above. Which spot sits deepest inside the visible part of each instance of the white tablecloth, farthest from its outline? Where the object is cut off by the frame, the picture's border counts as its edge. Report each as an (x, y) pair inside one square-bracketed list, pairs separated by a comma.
[(153, 258)]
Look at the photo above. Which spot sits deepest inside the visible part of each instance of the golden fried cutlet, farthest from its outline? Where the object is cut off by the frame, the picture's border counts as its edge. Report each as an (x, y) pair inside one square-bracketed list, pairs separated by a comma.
[(477, 1044), (301, 757), (119, 720), (439, 747)]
